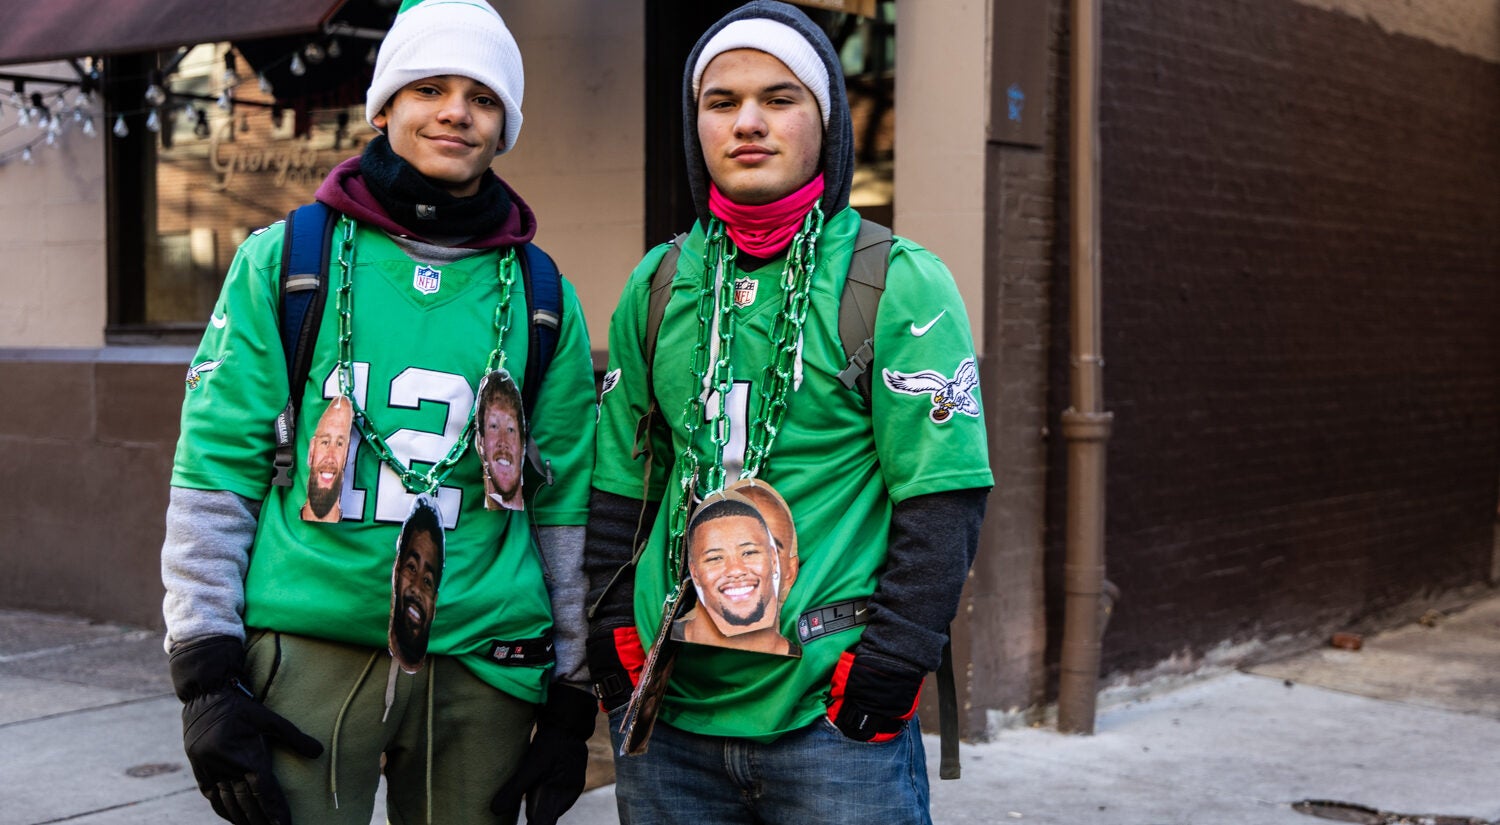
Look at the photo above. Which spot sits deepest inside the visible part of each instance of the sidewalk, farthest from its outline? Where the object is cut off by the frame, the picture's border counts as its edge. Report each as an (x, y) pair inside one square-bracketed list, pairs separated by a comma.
[(1410, 724)]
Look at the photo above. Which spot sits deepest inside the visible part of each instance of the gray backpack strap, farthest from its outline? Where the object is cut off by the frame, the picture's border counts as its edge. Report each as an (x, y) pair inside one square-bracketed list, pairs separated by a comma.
[(857, 304), (656, 305)]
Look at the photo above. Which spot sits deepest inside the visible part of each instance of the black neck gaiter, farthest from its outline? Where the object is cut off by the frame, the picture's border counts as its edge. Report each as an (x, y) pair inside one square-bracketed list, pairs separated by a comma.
[(415, 202)]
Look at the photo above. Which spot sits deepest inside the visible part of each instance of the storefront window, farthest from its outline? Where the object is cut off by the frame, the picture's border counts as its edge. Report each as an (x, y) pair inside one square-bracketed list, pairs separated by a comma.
[(224, 169)]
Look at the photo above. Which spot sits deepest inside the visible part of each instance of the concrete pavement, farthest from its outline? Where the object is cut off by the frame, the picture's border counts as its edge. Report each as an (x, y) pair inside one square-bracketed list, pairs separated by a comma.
[(1410, 724)]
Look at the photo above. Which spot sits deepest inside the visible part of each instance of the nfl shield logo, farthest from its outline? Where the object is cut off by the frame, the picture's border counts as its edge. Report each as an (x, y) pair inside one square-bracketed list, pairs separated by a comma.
[(744, 292), (426, 280)]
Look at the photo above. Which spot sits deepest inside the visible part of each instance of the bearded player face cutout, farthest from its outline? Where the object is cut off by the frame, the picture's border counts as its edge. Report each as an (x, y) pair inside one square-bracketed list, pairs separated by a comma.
[(735, 567), (327, 455), (501, 440), (414, 584)]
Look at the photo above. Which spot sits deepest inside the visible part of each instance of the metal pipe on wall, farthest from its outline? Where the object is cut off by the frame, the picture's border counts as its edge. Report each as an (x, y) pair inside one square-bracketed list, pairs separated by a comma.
[(1085, 424)]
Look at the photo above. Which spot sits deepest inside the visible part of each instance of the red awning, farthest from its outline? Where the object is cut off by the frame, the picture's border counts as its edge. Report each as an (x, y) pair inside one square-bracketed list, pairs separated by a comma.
[(32, 32)]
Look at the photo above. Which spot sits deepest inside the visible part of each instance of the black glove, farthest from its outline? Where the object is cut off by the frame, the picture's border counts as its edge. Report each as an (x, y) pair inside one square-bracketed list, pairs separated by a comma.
[(226, 733), (608, 651), (552, 772), (868, 703)]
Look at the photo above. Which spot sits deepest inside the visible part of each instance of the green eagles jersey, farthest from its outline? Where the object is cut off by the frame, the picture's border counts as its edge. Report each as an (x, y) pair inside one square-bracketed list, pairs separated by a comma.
[(839, 462), (421, 339)]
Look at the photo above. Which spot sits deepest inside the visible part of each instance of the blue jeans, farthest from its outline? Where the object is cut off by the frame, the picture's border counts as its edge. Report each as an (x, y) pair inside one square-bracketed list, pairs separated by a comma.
[(813, 775)]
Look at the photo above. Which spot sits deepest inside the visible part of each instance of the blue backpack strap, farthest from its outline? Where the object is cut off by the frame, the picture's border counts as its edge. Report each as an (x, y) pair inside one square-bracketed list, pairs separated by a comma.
[(543, 285), (304, 290)]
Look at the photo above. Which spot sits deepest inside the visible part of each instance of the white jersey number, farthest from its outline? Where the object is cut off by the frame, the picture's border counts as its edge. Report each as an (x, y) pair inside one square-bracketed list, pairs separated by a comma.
[(412, 388)]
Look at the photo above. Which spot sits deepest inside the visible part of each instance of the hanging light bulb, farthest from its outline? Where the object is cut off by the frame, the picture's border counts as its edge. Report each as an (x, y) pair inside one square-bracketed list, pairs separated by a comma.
[(265, 84), (231, 71), (153, 121), (23, 116), (120, 129), (188, 109), (201, 127), (244, 123), (52, 132), (298, 67), (225, 101), (335, 51), (155, 96), (26, 155), (38, 111), (88, 128), (314, 53)]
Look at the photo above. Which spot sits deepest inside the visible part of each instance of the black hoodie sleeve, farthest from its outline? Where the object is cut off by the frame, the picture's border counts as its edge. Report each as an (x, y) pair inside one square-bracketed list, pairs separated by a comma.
[(934, 539)]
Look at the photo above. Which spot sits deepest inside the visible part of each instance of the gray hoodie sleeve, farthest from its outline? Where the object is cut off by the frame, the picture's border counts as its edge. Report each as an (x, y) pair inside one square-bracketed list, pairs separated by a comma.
[(203, 563), (562, 553)]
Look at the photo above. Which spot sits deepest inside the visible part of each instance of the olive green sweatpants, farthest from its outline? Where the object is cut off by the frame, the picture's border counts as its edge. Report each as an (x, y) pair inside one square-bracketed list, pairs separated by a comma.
[(449, 740)]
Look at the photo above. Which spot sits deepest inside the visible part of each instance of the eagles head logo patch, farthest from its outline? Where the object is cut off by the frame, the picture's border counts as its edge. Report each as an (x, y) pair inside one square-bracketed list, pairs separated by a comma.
[(196, 371), (949, 395)]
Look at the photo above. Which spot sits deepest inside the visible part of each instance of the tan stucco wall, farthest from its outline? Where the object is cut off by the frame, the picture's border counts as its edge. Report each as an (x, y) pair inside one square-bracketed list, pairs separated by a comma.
[(580, 161), (1468, 26), (52, 262), (941, 106)]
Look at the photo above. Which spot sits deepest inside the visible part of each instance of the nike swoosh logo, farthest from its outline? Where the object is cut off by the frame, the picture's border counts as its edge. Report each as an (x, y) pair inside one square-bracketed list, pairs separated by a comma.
[(919, 331), (218, 321)]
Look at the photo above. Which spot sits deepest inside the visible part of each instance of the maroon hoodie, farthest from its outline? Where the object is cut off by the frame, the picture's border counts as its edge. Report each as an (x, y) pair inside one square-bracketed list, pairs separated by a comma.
[(344, 190)]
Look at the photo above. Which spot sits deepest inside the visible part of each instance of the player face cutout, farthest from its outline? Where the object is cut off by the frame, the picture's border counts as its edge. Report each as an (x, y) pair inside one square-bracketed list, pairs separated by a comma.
[(778, 516), (501, 441), (736, 572), (414, 584), (327, 455)]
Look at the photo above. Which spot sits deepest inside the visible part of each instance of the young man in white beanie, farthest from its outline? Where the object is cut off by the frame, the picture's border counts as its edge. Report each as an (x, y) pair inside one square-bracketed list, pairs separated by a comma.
[(284, 634), (886, 489)]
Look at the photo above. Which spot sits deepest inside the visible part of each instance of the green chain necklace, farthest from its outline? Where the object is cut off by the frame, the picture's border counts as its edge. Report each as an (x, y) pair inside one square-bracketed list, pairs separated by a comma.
[(711, 369), (414, 481)]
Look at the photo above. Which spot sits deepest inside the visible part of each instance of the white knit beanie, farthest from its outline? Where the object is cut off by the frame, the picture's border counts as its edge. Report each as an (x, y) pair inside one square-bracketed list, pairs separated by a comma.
[(779, 41), (459, 37)]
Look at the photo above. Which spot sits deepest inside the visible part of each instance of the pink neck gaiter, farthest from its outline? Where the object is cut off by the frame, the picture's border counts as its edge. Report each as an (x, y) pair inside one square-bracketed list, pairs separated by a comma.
[(764, 230)]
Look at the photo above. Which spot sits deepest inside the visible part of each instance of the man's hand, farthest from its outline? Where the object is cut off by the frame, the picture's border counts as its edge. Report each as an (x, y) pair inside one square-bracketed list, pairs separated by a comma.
[(871, 704), (226, 733), (552, 772)]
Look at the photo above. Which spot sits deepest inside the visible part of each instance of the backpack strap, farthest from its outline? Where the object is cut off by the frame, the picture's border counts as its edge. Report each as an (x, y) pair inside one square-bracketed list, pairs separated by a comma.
[(656, 303), (305, 252), (859, 301), (543, 287)]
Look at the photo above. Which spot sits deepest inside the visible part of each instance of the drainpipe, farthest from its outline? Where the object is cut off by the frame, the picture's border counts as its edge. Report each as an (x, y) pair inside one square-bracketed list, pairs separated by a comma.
[(1085, 424)]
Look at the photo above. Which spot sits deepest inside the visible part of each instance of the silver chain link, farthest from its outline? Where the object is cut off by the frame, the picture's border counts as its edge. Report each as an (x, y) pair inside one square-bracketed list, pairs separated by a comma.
[(412, 480)]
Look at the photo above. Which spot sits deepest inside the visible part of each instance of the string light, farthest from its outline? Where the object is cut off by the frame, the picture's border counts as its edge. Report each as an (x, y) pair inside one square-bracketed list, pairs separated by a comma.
[(155, 96), (53, 114)]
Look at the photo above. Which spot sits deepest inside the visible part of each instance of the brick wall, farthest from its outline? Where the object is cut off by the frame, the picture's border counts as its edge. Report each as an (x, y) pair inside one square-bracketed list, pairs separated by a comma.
[(1301, 273)]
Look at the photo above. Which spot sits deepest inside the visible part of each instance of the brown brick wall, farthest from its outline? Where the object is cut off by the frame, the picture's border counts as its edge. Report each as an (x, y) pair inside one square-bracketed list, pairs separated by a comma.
[(1301, 271)]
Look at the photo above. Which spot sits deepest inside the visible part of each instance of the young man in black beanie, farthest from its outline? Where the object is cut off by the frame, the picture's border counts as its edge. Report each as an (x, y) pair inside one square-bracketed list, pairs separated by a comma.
[(292, 640), (886, 488)]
